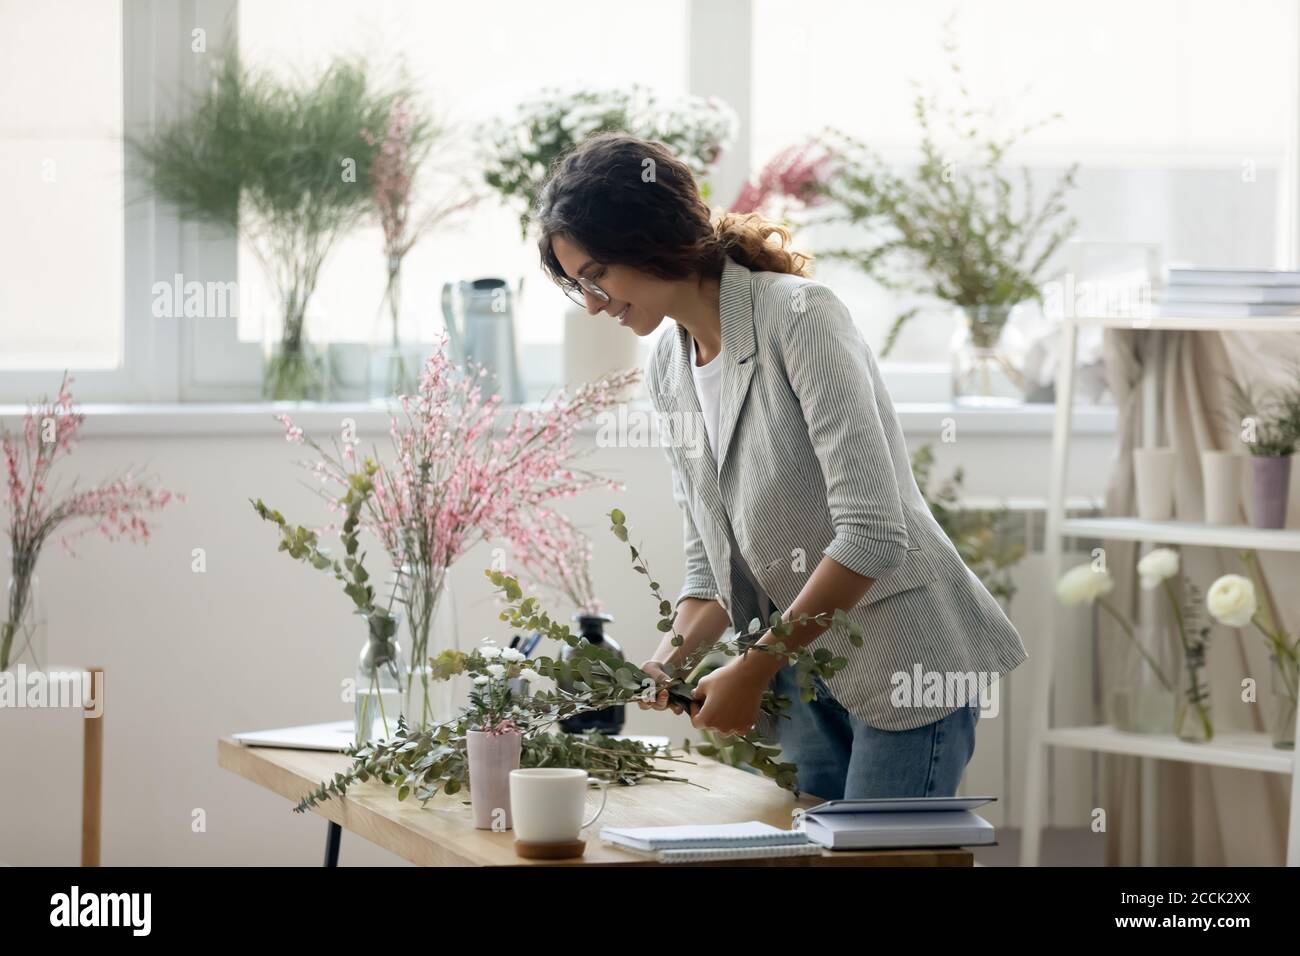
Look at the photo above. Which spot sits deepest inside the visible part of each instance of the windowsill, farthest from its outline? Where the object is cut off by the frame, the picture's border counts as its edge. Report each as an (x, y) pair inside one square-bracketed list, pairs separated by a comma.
[(257, 418)]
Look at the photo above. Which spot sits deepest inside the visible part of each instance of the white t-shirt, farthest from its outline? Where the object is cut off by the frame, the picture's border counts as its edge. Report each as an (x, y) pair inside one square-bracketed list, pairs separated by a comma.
[(708, 388)]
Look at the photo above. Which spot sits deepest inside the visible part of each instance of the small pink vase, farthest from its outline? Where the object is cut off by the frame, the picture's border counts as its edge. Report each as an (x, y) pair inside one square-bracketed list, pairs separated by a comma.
[(491, 758)]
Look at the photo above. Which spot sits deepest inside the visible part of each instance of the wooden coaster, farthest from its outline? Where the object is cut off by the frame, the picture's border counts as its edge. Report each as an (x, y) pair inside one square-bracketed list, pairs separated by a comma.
[(550, 851)]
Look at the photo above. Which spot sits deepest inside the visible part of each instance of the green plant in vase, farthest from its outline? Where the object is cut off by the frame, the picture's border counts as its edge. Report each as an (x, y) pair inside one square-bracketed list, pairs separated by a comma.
[(287, 167), (1142, 698), (1232, 600), (1160, 568), (955, 228), (380, 672)]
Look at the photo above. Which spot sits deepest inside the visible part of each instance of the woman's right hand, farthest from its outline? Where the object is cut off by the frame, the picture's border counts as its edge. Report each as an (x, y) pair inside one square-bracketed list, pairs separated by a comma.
[(655, 670)]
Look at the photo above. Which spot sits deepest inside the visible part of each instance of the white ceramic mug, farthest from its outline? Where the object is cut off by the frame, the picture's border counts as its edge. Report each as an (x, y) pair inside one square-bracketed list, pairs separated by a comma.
[(547, 802), (1154, 473)]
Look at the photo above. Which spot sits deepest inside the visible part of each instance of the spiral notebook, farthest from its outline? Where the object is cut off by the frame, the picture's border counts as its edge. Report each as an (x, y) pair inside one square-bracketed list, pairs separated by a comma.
[(752, 835)]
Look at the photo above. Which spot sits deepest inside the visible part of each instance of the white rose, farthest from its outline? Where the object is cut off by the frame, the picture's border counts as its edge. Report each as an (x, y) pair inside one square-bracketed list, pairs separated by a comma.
[(1160, 564), (497, 670), (513, 655), (1083, 585), (529, 674), (480, 680), (1231, 600), (489, 652)]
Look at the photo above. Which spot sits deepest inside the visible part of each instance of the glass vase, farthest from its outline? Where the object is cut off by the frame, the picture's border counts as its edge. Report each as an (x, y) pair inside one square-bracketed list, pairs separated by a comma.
[(399, 344), (379, 681), (23, 629), (983, 374), (294, 373), (1192, 721), (1142, 689), (430, 702), (1284, 679)]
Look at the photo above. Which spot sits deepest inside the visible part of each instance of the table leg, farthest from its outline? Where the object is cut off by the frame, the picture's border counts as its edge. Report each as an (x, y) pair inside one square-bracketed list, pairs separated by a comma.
[(332, 837)]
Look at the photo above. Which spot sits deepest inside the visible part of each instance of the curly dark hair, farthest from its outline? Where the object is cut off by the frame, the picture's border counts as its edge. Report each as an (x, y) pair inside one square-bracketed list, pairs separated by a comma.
[(629, 201)]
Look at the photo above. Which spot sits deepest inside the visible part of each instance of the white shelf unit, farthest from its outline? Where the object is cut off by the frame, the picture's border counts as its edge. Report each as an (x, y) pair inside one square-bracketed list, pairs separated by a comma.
[(1241, 751)]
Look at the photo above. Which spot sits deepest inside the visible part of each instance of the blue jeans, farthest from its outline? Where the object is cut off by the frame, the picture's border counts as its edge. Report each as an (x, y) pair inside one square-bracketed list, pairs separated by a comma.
[(841, 757)]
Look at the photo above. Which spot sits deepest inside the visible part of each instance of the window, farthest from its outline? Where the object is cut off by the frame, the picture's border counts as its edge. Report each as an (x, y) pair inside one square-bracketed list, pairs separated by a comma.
[(61, 187), (1177, 113), (473, 62)]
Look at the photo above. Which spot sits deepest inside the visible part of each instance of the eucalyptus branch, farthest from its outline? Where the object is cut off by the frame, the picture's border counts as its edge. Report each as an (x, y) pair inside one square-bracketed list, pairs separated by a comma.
[(302, 544)]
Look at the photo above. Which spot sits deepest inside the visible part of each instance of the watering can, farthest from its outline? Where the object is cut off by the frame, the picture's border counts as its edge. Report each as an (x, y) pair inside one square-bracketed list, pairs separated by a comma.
[(480, 319)]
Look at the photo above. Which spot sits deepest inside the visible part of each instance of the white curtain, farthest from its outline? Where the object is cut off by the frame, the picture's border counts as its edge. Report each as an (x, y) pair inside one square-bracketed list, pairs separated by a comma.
[(1206, 816)]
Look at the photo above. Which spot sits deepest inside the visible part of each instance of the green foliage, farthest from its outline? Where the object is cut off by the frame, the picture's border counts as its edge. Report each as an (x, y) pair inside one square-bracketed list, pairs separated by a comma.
[(424, 763), (433, 760), (302, 544), (285, 164), (950, 228), (1273, 416), (982, 537)]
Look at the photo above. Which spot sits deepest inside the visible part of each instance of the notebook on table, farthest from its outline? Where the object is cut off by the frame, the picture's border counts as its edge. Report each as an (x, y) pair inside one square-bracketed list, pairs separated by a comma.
[(897, 822), (337, 735), (719, 841)]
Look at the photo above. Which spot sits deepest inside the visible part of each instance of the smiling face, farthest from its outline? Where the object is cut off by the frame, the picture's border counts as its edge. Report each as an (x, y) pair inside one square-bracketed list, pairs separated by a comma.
[(637, 300)]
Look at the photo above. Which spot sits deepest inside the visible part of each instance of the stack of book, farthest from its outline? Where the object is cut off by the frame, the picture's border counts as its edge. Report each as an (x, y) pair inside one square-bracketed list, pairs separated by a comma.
[(1225, 293)]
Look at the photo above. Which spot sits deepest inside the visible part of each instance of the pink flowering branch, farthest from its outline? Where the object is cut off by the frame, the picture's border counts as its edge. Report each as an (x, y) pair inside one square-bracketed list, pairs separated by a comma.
[(458, 476), (38, 507), (795, 177), (404, 146)]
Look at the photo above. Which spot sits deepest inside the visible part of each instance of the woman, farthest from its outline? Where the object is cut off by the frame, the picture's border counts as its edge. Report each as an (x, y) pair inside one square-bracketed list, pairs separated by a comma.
[(802, 500)]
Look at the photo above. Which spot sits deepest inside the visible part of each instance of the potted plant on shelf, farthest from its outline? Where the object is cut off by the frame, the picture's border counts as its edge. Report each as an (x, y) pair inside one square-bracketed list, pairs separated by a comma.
[(41, 507), (953, 229), (1232, 600), (1268, 421), (520, 151), (287, 167)]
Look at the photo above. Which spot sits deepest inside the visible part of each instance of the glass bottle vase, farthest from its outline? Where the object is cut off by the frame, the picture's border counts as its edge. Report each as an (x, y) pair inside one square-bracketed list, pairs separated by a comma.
[(1192, 721), (983, 374), (1284, 679), (430, 701), (1142, 687), (23, 627), (380, 684)]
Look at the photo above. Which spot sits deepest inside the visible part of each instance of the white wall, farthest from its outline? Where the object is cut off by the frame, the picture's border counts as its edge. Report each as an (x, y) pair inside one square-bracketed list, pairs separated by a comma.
[(259, 641)]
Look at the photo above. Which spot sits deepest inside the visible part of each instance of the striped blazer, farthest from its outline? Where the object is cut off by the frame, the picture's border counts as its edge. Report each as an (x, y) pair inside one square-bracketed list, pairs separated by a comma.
[(811, 461)]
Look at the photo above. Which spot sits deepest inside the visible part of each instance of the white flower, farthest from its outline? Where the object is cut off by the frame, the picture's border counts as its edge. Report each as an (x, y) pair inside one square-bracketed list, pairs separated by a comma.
[(1160, 564), (480, 680), (1231, 600), (529, 674), (1083, 585), (512, 655), (497, 670), (489, 652)]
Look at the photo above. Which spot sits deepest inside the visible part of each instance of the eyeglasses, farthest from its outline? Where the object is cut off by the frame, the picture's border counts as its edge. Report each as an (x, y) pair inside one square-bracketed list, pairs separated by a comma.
[(574, 288)]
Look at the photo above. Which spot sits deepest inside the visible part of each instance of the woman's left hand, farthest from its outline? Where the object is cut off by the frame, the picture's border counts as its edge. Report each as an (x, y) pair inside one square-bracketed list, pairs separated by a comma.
[(729, 698)]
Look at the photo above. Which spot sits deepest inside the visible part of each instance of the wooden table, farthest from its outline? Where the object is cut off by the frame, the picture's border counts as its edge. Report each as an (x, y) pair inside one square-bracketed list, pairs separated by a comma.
[(442, 832)]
